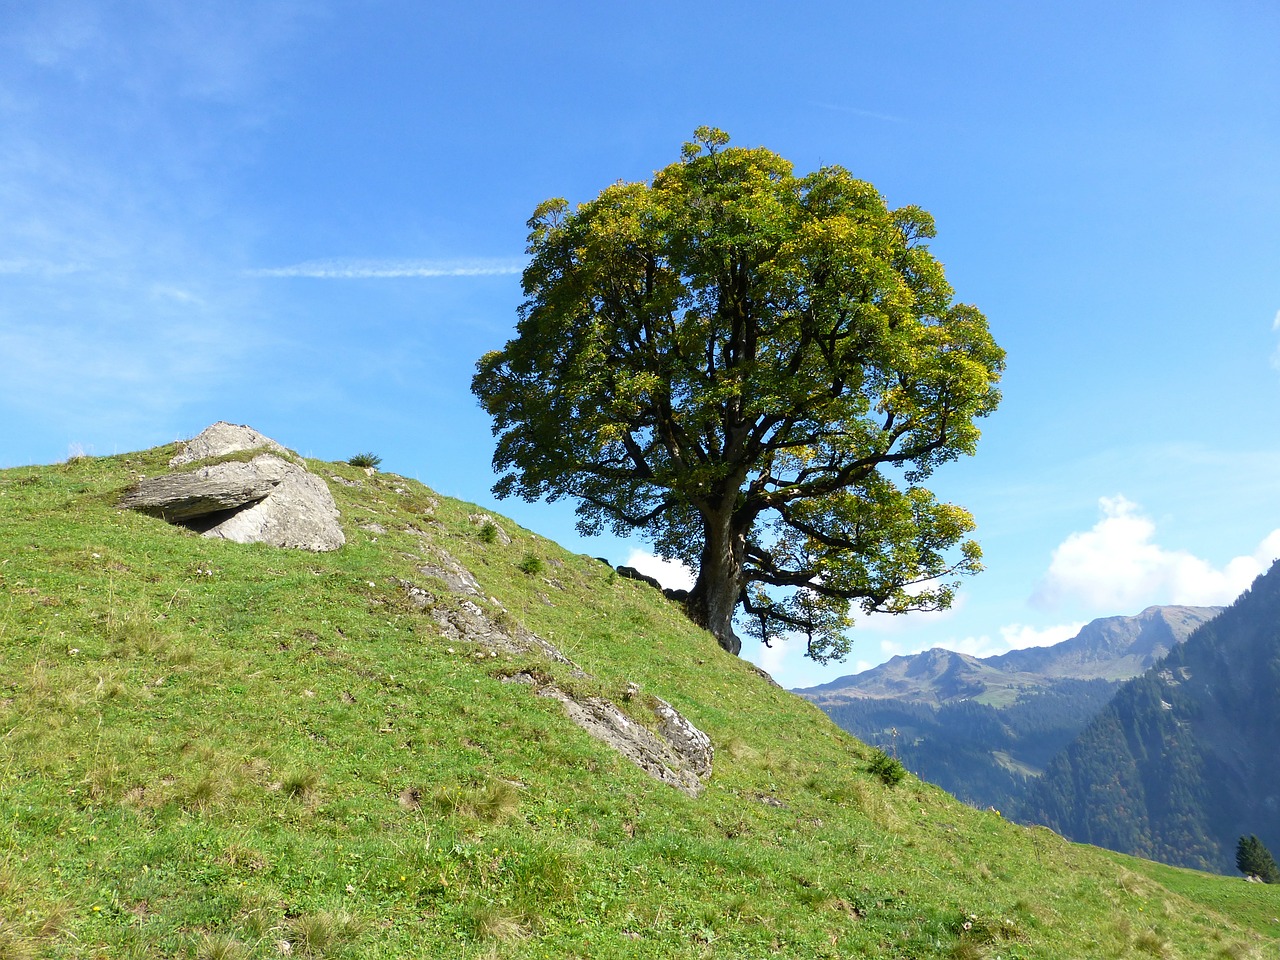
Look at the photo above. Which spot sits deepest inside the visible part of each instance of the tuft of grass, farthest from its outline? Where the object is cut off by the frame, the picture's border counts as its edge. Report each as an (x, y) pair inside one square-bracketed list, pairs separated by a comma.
[(324, 934), (530, 564), (488, 921), (493, 802), (489, 532), (1150, 942), (16, 947), (220, 946), (300, 784), (365, 461)]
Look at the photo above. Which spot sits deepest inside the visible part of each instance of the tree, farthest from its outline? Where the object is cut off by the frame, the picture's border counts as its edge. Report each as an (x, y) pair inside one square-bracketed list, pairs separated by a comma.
[(756, 370), (1254, 860)]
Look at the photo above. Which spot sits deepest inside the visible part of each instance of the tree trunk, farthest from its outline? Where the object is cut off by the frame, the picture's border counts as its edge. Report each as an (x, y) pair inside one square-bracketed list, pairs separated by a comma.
[(714, 597)]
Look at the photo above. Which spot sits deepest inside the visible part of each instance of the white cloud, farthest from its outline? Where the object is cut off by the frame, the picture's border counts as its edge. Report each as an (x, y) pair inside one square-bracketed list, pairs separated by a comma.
[(1015, 636), (1275, 326), (672, 574), (378, 269), (1116, 568)]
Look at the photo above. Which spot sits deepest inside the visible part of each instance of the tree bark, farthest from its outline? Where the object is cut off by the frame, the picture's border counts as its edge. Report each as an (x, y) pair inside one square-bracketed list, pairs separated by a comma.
[(714, 597)]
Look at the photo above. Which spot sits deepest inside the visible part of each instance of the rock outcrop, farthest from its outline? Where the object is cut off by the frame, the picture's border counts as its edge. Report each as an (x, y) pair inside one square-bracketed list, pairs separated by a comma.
[(268, 499), (221, 439), (650, 732)]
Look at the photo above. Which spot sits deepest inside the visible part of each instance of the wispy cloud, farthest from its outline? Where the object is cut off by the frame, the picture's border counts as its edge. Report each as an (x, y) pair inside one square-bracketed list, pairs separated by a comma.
[(379, 269), (859, 112), (43, 268)]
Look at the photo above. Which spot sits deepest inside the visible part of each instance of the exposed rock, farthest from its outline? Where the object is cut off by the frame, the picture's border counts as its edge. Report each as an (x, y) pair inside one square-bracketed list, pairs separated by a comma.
[(298, 513), (266, 500), (223, 487), (677, 752), (455, 576), (482, 519), (653, 753), (631, 573), (690, 744), (221, 439)]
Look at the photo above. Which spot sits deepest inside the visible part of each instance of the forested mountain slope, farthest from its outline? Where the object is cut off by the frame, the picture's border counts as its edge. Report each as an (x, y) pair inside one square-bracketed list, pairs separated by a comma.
[(215, 749), (980, 727), (1181, 763)]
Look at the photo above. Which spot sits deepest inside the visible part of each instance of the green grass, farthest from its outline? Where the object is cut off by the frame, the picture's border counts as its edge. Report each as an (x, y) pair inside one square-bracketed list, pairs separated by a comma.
[(210, 750)]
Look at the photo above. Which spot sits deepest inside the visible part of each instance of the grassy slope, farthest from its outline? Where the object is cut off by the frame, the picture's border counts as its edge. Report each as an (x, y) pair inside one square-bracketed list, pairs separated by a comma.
[(213, 750)]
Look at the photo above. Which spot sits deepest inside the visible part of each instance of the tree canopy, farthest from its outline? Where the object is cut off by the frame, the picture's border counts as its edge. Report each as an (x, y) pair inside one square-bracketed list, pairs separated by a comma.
[(756, 371), (1254, 860)]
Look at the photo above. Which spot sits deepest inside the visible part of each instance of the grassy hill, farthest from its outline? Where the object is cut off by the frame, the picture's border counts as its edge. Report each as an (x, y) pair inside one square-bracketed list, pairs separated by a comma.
[(215, 750)]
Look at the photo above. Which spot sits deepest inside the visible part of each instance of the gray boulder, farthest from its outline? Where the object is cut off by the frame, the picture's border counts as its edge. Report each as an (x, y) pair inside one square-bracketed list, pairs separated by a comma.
[(266, 500), (221, 439), (299, 512)]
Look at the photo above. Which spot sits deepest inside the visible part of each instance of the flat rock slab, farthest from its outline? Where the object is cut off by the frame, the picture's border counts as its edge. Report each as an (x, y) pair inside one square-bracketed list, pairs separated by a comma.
[(181, 497)]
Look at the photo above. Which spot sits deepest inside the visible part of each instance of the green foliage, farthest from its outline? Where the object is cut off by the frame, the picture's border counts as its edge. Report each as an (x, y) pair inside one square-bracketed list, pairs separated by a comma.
[(366, 460), (1253, 859), (531, 564), (488, 532), (888, 769), (758, 371)]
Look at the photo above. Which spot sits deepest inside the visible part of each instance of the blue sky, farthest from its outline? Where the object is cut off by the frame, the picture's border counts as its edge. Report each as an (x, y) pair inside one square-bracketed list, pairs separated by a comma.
[(310, 217)]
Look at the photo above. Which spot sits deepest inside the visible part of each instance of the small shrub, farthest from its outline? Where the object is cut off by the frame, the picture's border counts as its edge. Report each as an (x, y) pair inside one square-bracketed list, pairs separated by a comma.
[(888, 769), (530, 564), (366, 460), (488, 532)]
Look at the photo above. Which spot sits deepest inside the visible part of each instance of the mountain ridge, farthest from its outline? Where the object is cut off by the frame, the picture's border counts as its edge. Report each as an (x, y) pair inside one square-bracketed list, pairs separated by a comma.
[(1108, 648), (980, 727), (1176, 767)]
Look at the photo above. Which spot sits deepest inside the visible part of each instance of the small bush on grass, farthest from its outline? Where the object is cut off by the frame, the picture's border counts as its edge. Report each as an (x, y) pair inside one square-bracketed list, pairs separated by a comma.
[(365, 460), (530, 564), (888, 769)]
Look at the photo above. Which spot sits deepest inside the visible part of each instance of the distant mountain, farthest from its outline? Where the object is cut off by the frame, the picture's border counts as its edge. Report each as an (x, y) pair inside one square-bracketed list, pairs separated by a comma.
[(1113, 648), (1181, 763), (979, 727)]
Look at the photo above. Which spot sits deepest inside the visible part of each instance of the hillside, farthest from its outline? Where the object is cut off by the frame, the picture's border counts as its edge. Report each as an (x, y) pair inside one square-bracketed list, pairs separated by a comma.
[(214, 749), (1180, 765), (980, 727)]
